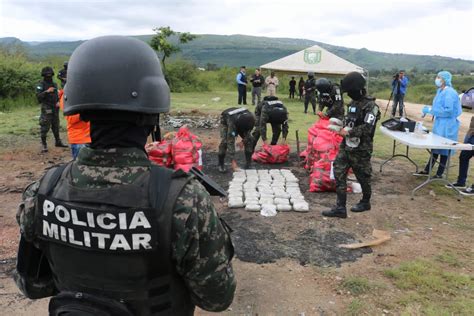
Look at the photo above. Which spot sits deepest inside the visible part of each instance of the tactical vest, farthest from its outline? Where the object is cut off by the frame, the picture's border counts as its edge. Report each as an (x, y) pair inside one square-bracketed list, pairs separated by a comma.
[(355, 117), (114, 243), (51, 98), (277, 112)]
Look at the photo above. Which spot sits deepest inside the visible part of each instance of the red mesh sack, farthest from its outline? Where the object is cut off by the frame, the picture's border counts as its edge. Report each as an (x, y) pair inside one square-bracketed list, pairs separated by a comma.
[(160, 153), (271, 154), (186, 150)]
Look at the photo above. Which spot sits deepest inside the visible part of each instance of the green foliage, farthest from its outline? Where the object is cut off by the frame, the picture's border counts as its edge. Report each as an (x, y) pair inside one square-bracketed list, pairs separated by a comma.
[(434, 290), (17, 75), (357, 285), (161, 43), (355, 308), (253, 51), (182, 76)]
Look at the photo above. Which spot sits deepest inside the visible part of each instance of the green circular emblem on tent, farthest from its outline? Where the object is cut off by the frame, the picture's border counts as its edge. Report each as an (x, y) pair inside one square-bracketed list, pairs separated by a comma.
[(312, 56)]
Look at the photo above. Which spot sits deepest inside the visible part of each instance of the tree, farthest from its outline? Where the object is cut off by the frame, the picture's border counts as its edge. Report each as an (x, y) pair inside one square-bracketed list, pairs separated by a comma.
[(160, 42)]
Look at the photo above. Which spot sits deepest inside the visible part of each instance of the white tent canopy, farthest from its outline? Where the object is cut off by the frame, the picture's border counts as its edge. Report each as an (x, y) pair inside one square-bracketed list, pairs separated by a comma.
[(315, 59)]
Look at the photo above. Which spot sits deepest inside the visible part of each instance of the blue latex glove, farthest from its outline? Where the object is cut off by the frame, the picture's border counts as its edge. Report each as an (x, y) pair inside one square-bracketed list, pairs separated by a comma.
[(426, 110)]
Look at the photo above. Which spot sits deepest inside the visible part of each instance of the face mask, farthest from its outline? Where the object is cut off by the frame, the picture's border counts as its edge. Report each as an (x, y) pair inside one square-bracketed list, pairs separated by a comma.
[(355, 94), (438, 82)]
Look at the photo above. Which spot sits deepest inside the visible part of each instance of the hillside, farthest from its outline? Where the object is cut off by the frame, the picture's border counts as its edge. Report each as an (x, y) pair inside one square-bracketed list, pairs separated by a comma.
[(236, 50)]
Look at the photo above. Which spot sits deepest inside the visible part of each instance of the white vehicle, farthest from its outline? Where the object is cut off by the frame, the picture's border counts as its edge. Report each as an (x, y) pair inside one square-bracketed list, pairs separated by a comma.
[(467, 98)]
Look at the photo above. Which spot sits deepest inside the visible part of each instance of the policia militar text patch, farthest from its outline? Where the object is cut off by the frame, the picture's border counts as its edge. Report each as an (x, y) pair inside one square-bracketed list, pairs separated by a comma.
[(119, 230)]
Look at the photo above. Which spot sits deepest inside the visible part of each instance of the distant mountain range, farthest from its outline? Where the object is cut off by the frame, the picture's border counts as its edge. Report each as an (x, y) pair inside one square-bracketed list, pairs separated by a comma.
[(236, 50)]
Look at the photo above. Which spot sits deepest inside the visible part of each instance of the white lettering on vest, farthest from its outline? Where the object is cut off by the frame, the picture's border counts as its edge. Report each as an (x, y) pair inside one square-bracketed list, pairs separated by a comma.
[(139, 219), (101, 239), (48, 207), (50, 231), (123, 221), (102, 224), (87, 239), (62, 214), (119, 241), (63, 233), (75, 220), (90, 219), (71, 238), (141, 240)]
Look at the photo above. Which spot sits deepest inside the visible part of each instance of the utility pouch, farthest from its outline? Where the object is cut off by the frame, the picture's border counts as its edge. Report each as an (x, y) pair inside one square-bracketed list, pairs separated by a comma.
[(76, 303)]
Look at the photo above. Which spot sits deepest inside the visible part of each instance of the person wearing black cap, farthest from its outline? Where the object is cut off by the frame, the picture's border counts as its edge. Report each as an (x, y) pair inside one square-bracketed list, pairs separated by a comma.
[(399, 88), (356, 149), (310, 92), (242, 86), (47, 95)]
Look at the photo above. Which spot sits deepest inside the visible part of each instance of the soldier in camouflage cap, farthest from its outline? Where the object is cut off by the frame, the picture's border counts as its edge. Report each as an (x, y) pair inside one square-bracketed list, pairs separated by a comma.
[(356, 149), (110, 233)]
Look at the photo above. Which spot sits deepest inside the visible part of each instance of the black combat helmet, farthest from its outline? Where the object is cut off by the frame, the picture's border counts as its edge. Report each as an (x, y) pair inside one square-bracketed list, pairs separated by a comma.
[(353, 81), (311, 74), (113, 74), (65, 64), (47, 71), (323, 85)]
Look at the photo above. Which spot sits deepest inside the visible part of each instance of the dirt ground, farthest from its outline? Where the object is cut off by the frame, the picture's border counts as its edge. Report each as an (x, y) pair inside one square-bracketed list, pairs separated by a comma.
[(289, 264)]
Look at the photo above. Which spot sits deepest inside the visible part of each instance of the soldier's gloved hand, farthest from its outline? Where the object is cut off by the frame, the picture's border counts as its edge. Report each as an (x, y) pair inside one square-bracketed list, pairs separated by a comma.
[(345, 131), (335, 128)]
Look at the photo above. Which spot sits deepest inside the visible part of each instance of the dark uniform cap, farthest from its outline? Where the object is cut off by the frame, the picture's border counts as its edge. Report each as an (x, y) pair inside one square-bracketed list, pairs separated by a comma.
[(323, 85), (47, 71), (115, 73), (353, 81)]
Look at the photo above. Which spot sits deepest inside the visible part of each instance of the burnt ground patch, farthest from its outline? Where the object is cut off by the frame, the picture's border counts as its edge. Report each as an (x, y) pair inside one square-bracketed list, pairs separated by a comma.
[(264, 240), (258, 242)]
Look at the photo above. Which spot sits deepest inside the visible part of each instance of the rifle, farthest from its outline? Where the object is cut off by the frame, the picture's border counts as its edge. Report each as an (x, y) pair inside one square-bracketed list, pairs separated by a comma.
[(390, 98)]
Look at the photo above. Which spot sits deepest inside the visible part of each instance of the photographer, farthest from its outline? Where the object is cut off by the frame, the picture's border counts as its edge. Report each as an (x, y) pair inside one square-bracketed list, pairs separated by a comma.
[(399, 89)]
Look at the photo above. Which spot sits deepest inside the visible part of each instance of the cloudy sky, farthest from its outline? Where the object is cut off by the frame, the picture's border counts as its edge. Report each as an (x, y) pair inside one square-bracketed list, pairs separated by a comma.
[(432, 27)]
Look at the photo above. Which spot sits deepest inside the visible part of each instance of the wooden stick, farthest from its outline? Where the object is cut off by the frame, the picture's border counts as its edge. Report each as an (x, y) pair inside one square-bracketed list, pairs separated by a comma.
[(298, 145)]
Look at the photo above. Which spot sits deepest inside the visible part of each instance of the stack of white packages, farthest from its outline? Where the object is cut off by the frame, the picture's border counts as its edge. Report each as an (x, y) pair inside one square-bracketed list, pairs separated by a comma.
[(270, 190)]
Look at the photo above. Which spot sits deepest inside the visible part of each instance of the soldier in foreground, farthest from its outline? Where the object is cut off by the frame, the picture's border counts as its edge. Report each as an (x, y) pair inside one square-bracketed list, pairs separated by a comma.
[(330, 96), (236, 122), (356, 150), (110, 233), (310, 93), (272, 111), (47, 95)]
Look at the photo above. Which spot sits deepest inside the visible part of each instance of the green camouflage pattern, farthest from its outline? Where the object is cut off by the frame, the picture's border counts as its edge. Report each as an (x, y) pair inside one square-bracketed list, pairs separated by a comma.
[(49, 117), (201, 244), (365, 132), (228, 134), (262, 113), (360, 163)]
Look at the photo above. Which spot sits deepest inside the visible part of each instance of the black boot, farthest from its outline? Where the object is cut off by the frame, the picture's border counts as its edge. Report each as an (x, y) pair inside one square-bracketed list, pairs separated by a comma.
[(44, 145), (248, 160), (339, 210), (59, 143), (362, 206), (221, 164)]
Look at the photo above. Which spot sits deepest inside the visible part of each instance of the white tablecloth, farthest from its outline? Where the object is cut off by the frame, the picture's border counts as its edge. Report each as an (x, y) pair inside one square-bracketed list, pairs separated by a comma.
[(427, 141)]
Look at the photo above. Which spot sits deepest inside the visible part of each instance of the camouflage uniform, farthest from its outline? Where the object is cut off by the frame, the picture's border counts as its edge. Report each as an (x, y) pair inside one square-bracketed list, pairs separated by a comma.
[(310, 94), (355, 156), (49, 117), (336, 107), (200, 245), (263, 116), (229, 131)]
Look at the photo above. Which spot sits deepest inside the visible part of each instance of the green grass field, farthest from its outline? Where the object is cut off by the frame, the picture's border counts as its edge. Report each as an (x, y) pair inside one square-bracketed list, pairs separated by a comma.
[(21, 123)]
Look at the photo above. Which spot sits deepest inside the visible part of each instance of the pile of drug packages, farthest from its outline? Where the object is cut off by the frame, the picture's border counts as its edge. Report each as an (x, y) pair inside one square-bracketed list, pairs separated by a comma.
[(266, 191)]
